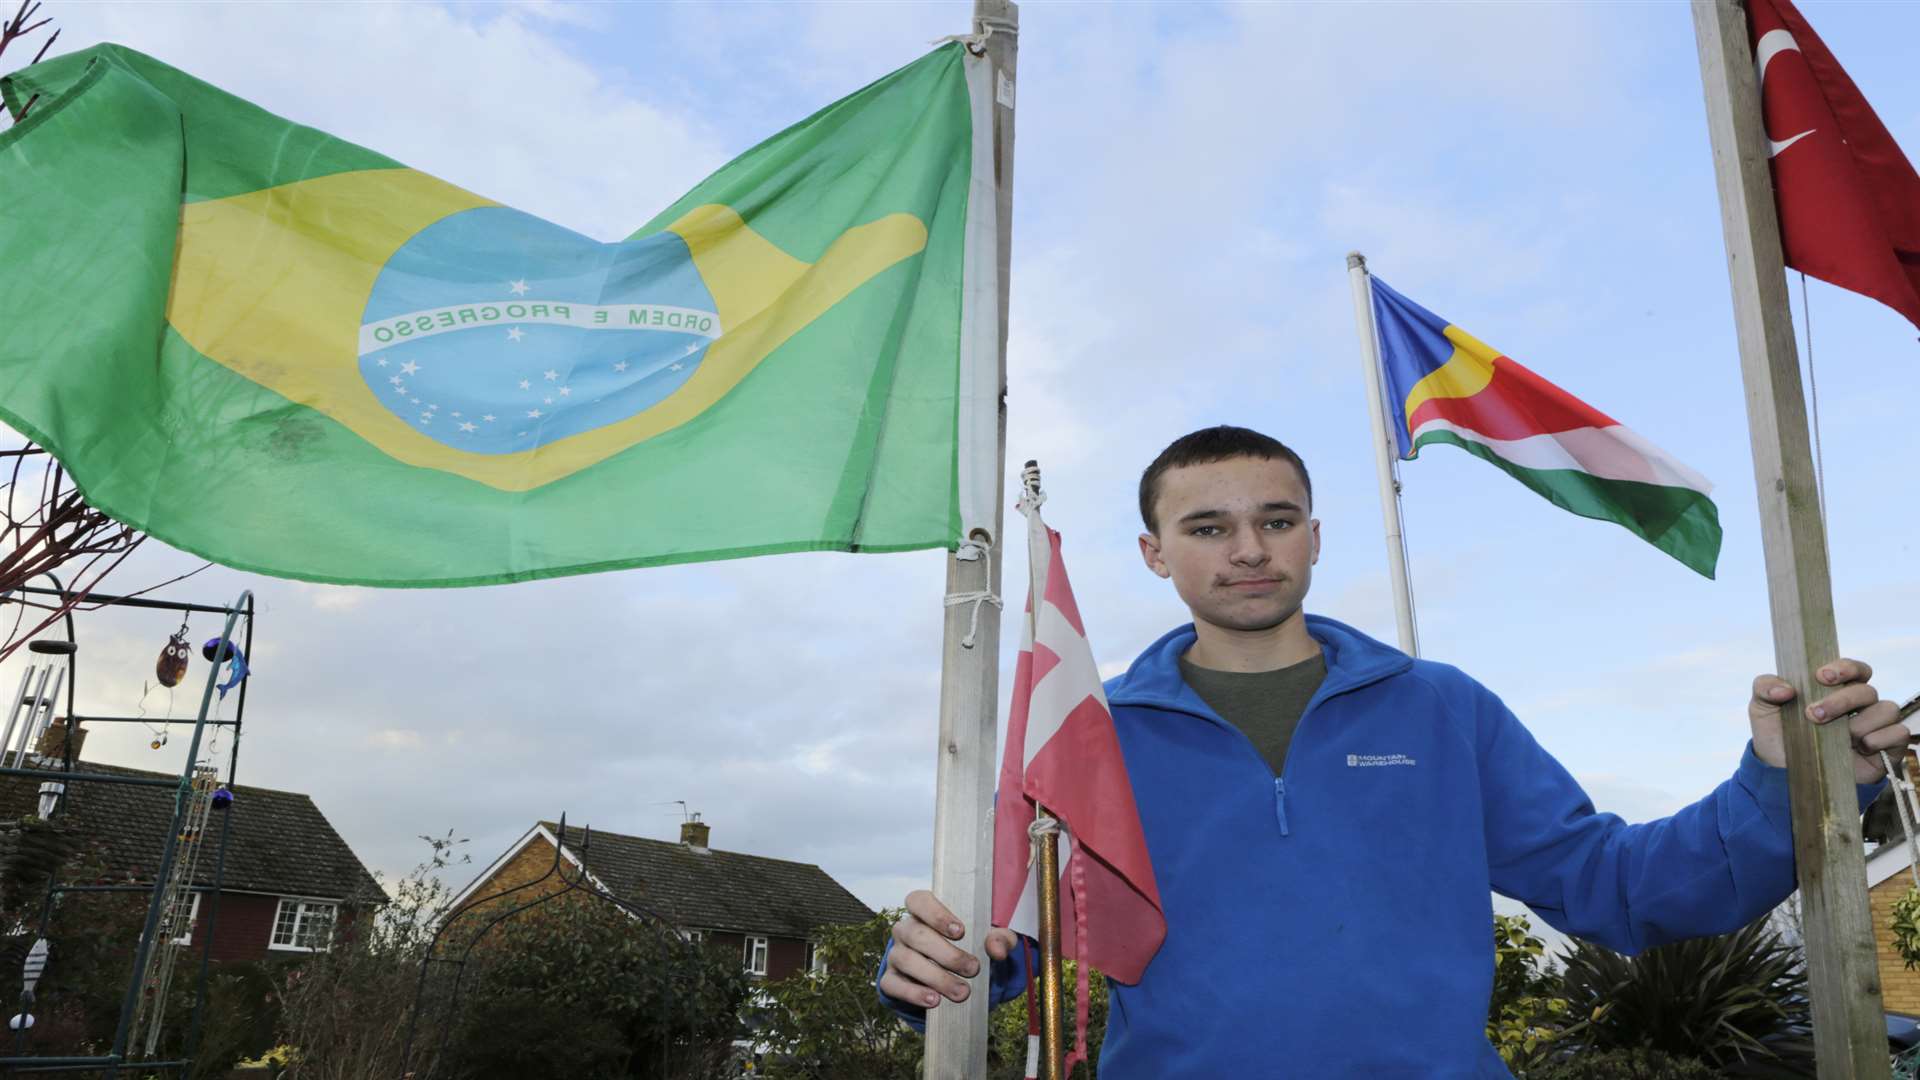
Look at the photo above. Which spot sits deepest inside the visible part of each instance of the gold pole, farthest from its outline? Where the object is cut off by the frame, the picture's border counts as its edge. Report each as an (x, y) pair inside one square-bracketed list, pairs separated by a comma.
[(1048, 983)]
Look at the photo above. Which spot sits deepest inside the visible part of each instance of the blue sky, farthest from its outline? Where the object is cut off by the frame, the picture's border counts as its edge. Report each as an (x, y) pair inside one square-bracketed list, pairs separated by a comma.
[(1189, 179)]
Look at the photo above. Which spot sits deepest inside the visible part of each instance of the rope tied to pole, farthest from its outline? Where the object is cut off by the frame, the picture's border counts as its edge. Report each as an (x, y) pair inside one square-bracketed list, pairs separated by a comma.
[(976, 42), (974, 550)]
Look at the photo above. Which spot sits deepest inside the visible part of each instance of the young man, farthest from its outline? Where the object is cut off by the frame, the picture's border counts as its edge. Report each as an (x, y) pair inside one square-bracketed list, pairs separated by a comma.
[(1327, 817)]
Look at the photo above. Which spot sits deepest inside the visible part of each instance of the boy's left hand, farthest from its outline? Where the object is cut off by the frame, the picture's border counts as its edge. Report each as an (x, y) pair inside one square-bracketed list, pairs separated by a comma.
[(1874, 724)]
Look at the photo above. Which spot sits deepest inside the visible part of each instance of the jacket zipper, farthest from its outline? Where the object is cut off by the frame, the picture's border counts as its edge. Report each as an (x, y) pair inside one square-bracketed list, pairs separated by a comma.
[(1280, 804)]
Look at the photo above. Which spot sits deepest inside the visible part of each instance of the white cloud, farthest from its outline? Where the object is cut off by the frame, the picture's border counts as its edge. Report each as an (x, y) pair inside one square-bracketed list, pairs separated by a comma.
[(491, 103)]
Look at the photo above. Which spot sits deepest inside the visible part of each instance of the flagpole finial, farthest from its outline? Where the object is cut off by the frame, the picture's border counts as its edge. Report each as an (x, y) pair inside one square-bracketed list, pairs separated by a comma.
[(1030, 478), (1356, 261)]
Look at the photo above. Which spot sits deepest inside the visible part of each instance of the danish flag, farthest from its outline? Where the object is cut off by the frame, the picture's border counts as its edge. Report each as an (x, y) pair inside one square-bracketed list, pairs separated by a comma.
[(1062, 753)]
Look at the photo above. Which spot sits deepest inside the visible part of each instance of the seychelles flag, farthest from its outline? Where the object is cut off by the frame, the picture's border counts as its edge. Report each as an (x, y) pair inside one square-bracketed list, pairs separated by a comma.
[(293, 355), (1445, 386)]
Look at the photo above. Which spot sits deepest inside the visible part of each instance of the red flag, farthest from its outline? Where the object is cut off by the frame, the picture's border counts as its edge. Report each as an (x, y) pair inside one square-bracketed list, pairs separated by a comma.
[(1062, 752), (1849, 200)]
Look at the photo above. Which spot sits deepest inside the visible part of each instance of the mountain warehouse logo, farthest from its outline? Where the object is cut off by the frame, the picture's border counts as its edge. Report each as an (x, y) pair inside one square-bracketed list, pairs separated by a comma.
[(1365, 761)]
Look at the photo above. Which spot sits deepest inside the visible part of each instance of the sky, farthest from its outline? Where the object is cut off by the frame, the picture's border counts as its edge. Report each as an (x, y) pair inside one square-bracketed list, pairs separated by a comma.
[(1189, 179)]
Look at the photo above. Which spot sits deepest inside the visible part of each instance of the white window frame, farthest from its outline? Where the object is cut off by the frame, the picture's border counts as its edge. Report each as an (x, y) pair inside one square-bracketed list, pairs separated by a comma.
[(756, 953), (193, 916), (302, 906), (816, 961), (697, 937)]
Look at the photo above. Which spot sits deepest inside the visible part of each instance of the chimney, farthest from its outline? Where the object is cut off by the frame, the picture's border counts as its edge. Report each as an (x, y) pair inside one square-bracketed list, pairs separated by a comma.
[(53, 741), (694, 832)]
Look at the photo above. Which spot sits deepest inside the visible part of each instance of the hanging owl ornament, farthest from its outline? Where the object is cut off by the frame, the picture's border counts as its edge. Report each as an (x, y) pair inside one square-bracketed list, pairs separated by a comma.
[(172, 665)]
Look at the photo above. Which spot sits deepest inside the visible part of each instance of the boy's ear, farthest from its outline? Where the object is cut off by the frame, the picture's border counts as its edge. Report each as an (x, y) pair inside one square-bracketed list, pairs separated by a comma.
[(1314, 524), (1150, 554)]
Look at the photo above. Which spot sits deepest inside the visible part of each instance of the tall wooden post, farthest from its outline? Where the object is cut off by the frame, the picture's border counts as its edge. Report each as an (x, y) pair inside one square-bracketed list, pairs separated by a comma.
[(956, 1047), (1849, 1032)]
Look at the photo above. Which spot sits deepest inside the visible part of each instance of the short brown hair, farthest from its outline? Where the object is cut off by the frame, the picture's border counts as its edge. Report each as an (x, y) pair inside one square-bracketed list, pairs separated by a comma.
[(1208, 445)]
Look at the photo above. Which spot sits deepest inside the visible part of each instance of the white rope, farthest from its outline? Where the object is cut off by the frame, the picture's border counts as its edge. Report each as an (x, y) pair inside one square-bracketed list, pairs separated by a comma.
[(1043, 826), (1903, 791), (976, 43), (1813, 388), (973, 551)]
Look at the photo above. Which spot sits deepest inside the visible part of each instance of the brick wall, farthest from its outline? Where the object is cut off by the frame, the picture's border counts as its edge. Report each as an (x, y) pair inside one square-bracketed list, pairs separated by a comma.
[(533, 863), (1899, 987), (242, 928)]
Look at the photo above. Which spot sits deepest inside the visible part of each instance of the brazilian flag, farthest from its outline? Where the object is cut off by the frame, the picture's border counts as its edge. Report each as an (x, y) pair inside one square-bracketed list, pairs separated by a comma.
[(292, 355)]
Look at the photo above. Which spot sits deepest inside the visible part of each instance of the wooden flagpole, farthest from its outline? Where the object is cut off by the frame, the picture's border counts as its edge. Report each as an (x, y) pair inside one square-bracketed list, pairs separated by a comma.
[(956, 1045), (1849, 1031)]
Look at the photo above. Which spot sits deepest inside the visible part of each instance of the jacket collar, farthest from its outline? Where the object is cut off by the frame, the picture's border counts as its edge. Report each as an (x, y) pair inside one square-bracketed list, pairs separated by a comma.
[(1353, 660)]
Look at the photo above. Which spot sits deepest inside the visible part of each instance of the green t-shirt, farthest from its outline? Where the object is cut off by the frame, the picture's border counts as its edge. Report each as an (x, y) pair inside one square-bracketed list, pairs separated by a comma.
[(1265, 705)]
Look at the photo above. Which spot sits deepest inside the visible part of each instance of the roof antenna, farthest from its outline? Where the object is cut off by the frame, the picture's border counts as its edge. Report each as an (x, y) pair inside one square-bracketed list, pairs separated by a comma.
[(682, 804)]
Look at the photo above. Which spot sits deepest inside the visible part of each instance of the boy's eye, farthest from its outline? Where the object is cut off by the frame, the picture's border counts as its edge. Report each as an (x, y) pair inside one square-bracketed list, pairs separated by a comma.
[(1203, 530), (1279, 523)]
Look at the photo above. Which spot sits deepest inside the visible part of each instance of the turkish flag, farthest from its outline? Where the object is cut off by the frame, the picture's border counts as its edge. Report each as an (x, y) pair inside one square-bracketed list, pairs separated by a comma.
[(1849, 200)]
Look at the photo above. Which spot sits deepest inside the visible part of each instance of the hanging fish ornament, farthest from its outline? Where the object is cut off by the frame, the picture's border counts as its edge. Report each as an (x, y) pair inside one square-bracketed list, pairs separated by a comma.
[(230, 655), (172, 665)]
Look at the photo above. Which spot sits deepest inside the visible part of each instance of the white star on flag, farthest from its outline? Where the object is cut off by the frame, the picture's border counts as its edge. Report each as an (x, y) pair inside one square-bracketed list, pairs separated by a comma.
[(426, 418), (514, 333), (566, 390), (519, 287), (675, 367), (382, 361), (394, 379), (465, 426), (551, 375), (533, 414), (489, 418), (409, 368), (525, 385), (621, 366)]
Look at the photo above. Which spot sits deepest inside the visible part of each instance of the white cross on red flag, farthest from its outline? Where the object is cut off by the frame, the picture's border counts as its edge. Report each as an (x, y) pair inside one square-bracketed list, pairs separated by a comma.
[(1062, 753)]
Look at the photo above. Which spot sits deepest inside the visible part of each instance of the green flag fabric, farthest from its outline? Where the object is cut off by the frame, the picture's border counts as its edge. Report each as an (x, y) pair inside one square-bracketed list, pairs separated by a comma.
[(292, 355)]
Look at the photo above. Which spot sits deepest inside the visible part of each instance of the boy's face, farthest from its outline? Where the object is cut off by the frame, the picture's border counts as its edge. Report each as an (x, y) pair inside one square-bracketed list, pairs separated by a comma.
[(1236, 540)]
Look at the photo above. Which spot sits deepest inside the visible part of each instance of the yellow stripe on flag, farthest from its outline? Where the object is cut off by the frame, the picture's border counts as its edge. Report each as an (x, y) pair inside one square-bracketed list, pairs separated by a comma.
[(1467, 372)]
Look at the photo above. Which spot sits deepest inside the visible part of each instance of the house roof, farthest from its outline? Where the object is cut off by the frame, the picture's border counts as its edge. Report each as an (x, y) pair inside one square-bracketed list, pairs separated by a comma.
[(713, 889), (279, 841)]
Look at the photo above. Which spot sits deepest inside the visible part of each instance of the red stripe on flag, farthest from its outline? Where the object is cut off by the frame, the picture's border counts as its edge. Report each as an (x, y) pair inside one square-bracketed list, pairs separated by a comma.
[(1516, 404), (1059, 590)]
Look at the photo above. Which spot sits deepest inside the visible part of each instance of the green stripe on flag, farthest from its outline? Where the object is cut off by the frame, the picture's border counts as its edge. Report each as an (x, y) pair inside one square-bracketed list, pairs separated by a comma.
[(1679, 521)]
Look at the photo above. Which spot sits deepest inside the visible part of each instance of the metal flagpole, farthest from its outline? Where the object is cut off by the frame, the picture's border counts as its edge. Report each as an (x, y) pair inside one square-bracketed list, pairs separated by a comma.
[(956, 1045), (1843, 973), (1385, 453)]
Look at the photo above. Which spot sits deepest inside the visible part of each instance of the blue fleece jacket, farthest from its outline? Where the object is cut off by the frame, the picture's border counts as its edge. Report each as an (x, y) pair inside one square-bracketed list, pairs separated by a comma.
[(1335, 920)]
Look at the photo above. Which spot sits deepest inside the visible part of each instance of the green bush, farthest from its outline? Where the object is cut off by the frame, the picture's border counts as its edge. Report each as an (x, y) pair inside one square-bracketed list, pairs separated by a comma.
[(1638, 1063), (831, 1024), (1738, 1002)]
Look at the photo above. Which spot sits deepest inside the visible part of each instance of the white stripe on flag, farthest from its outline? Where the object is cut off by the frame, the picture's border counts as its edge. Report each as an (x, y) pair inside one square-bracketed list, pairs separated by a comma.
[(1610, 453)]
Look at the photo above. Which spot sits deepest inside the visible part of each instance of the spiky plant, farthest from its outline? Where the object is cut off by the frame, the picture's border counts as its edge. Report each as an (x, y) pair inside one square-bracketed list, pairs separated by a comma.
[(1737, 1002)]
